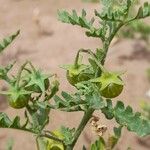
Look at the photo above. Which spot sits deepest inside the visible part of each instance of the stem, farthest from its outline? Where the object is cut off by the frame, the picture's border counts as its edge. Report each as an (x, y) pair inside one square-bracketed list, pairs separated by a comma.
[(19, 73), (95, 59), (107, 42), (37, 144), (76, 60), (84, 121), (33, 68), (51, 137)]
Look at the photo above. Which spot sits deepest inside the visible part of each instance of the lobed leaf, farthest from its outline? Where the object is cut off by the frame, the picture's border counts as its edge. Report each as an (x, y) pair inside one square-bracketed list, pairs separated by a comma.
[(7, 41), (74, 19), (68, 134), (5, 122), (39, 116), (144, 11), (125, 117), (68, 102), (98, 145)]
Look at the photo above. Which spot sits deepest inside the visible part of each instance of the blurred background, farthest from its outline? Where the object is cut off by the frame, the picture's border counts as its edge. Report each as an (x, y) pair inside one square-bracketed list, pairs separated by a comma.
[(49, 43)]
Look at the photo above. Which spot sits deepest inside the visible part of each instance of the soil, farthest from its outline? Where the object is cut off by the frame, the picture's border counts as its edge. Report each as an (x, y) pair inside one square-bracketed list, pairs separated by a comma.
[(49, 43)]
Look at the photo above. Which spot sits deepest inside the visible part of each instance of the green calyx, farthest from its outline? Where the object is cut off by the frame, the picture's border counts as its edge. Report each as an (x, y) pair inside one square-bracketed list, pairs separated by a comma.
[(38, 82), (110, 84), (17, 97), (76, 74)]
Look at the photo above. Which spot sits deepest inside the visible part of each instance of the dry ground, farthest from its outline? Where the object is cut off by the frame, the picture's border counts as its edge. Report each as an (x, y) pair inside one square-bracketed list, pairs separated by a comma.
[(52, 43)]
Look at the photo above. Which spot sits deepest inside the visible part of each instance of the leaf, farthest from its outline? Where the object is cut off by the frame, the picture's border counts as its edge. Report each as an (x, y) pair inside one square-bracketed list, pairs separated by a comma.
[(144, 11), (68, 134), (74, 19), (95, 101), (98, 145), (54, 87), (125, 117), (115, 10), (7, 41), (59, 102), (4, 70), (40, 116), (5, 122), (108, 110), (68, 102), (117, 131)]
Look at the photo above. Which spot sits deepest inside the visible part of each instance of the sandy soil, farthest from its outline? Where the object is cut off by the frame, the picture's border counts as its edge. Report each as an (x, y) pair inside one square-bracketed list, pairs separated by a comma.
[(51, 43)]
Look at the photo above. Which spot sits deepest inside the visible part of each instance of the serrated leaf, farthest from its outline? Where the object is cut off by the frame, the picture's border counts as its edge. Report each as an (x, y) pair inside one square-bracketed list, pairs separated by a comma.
[(7, 41), (5, 122), (112, 141), (144, 11), (125, 117), (59, 102), (108, 110), (95, 101), (68, 134), (39, 116), (117, 131), (98, 145)]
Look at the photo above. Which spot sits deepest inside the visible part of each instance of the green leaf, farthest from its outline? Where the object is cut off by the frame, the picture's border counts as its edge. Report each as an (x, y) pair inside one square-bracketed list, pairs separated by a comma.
[(144, 11), (4, 71), (108, 110), (40, 116), (125, 117), (114, 10), (112, 141), (74, 19), (59, 102), (67, 134), (136, 27), (68, 102), (95, 101), (5, 122), (7, 41), (117, 131), (98, 145)]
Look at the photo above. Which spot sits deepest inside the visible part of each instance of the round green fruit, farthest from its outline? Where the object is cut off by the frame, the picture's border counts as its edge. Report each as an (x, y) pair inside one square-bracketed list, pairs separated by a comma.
[(112, 90), (18, 98), (76, 75), (109, 84)]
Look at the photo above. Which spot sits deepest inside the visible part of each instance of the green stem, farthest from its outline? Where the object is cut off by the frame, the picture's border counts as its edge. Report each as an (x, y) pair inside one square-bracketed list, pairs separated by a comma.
[(95, 59), (84, 121), (33, 68), (37, 144), (19, 73), (108, 41), (51, 137), (77, 59)]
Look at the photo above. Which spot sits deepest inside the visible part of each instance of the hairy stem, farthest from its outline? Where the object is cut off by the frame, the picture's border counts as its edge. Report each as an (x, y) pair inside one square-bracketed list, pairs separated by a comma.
[(19, 73), (84, 121)]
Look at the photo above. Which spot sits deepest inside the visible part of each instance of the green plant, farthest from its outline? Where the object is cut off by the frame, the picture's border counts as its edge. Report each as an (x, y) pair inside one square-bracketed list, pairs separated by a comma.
[(89, 81)]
